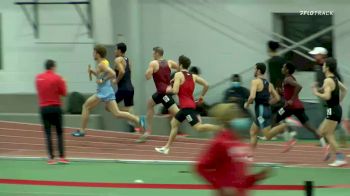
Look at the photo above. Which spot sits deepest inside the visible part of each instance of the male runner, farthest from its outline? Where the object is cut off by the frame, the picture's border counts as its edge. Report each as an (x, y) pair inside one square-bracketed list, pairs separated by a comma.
[(160, 70), (105, 92), (260, 92), (184, 85), (122, 68), (293, 106)]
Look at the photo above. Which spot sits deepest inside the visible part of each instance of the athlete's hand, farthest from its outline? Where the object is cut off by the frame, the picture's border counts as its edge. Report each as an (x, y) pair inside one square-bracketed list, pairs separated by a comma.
[(279, 90), (169, 89), (288, 103), (200, 100), (246, 105), (90, 71), (114, 81), (99, 81)]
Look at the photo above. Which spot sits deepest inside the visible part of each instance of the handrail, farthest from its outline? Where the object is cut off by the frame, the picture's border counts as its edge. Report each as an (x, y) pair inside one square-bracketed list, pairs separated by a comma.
[(53, 3)]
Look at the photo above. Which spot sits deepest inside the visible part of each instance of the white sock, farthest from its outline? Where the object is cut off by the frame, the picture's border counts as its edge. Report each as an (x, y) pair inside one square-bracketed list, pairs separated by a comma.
[(323, 142), (286, 135)]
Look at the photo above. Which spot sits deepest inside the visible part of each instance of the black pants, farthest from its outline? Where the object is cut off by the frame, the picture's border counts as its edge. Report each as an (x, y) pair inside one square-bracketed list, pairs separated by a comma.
[(52, 116)]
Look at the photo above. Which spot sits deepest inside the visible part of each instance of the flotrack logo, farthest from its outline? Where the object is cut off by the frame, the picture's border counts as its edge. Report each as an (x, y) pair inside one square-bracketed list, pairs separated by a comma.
[(316, 13)]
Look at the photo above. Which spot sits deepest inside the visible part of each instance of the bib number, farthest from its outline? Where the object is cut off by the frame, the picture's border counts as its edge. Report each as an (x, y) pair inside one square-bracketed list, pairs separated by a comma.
[(261, 120), (281, 111), (166, 99), (189, 118), (329, 111)]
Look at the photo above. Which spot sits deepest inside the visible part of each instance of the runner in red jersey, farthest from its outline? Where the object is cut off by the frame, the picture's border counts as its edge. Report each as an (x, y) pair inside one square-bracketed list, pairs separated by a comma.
[(224, 164), (160, 70), (184, 84), (293, 106)]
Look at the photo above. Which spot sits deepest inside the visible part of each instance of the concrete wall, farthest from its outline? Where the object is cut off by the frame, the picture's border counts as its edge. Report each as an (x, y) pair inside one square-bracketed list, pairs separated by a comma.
[(63, 38), (221, 37)]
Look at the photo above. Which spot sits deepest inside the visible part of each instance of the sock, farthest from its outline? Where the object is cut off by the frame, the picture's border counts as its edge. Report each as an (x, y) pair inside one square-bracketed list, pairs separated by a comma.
[(286, 135), (148, 132), (323, 142), (340, 156)]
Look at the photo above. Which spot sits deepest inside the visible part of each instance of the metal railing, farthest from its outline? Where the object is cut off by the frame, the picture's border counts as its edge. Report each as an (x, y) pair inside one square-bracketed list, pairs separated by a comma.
[(202, 16)]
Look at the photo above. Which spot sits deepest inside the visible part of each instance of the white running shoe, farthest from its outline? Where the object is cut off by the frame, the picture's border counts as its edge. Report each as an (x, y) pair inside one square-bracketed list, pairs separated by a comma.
[(162, 150), (338, 163), (143, 138), (292, 122)]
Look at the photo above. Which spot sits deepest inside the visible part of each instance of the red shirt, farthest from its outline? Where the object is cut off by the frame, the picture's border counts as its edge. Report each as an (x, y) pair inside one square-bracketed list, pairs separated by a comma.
[(224, 164), (50, 88), (162, 77), (186, 90), (288, 91)]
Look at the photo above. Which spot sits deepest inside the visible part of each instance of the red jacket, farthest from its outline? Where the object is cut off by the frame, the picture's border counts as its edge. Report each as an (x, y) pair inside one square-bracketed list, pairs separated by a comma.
[(50, 88), (224, 164)]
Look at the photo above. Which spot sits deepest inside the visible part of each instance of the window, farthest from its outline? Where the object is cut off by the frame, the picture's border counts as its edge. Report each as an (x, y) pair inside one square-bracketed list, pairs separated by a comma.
[(298, 27)]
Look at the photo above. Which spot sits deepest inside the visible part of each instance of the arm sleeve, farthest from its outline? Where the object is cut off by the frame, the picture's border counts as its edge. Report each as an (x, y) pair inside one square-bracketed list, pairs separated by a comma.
[(62, 89)]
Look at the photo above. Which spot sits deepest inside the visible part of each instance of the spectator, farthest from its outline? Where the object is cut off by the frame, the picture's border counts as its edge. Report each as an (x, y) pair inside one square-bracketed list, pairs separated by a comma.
[(236, 93), (275, 64), (320, 55), (50, 87), (194, 70)]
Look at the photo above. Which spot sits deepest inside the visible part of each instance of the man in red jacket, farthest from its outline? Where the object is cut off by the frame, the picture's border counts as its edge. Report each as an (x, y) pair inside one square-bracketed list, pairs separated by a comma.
[(50, 87), (224, 165)]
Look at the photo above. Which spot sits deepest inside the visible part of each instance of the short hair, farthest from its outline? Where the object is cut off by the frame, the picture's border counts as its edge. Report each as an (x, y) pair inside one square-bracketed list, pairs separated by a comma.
[(261, 67), (331, 63), (235, 78), (184, 61), (273, 45), (291, 67), (122, 47), (194, 70), (158, 50), (49, 64), (101, 50)]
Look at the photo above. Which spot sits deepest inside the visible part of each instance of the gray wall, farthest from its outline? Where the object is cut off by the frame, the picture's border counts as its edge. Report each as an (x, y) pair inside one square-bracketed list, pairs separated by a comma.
[(221, 37)]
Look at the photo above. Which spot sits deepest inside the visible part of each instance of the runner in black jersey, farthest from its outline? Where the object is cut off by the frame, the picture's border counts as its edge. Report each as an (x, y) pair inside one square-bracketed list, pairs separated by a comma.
[(261, 91), (122, 68), (333, 92)]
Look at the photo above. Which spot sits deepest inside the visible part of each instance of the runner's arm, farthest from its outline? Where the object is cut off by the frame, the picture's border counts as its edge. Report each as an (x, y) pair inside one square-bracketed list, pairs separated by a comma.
[(120, 66), (150, 70), (343, 90), (199, 80), (326, 95)]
